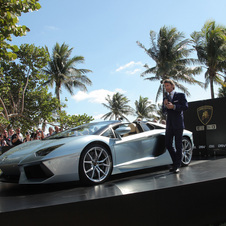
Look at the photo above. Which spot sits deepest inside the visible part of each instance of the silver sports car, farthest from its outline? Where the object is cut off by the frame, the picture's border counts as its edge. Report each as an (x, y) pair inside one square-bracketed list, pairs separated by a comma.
[(90, 153)]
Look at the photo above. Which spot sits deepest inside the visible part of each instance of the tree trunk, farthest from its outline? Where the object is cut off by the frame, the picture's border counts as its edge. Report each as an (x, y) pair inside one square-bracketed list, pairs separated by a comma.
[(57, 91), (4, 108), (211, 88)]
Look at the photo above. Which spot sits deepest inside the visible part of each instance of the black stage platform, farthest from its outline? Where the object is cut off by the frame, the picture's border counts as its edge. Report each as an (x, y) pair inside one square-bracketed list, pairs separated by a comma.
[(196, 196)]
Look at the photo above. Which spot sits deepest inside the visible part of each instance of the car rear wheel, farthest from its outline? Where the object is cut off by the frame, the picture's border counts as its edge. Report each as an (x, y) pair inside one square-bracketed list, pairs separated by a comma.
[(95, 164), (186, 151)]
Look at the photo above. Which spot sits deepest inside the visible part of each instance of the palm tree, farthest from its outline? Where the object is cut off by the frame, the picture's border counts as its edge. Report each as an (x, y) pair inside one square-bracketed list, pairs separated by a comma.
[(160, 114), (144, 108), (210, 44), (222, 91), (170, 53), (118, 106), (61, 71)]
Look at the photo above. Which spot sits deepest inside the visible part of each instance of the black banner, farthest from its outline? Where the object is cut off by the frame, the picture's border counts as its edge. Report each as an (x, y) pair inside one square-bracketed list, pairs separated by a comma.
[(206, 120)]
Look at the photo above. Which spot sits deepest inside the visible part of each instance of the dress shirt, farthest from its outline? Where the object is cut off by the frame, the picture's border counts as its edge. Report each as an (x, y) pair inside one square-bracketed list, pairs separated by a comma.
[(171, 94)]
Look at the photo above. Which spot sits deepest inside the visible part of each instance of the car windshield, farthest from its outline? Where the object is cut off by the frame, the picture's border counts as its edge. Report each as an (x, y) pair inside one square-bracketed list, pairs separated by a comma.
[(86, 129)]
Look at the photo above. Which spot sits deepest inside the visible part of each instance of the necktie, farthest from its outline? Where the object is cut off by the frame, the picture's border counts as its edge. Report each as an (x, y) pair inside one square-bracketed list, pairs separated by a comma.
[(170, 97)]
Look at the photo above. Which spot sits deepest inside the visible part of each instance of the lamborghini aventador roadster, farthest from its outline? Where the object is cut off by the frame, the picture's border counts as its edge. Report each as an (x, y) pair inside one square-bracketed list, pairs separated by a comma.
[(90, 153)]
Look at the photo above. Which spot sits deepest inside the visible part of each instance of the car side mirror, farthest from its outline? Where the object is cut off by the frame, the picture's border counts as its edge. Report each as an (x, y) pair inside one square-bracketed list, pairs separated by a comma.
[(123, 130)]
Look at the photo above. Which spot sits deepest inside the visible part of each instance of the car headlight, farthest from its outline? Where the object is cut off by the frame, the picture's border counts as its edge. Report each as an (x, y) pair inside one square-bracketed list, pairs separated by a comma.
[(46, 151)]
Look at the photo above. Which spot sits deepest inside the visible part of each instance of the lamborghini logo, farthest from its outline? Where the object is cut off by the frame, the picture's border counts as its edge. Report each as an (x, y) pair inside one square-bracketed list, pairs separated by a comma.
[(205, 114)]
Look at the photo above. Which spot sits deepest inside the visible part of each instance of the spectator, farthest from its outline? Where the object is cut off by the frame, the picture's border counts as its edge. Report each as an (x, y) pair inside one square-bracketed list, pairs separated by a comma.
[(35, 137), (163, 122), (51, 131), (40, 134), (2, 141), (11, 132), (57, 130), (17, 137), (27, 138), (137, 120), (7, 139)]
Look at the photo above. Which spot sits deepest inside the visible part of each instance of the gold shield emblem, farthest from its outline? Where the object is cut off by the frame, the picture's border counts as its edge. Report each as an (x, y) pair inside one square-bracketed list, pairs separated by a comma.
[(205, 114)]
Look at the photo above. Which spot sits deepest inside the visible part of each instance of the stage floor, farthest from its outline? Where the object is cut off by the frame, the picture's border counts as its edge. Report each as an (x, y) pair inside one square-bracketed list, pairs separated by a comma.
[(20, 197)]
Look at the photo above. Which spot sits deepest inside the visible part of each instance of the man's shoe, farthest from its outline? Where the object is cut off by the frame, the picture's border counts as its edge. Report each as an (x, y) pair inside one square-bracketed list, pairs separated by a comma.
[(176, 170), (171, 169)]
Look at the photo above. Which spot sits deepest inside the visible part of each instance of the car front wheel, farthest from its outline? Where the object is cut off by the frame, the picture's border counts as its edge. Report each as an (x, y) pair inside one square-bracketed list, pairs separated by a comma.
[(186, 151), (95, 164)]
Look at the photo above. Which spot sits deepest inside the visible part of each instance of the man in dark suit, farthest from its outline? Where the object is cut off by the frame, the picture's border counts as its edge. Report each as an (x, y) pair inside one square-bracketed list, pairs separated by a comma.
[(174, 104)]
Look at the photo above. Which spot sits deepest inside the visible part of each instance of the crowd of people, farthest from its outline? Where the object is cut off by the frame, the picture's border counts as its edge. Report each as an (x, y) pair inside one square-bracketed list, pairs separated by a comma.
[(13, 138)]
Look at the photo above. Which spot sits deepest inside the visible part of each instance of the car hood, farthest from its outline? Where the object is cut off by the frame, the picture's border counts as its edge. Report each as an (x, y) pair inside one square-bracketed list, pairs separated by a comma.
[(25, 152), (21, 151)]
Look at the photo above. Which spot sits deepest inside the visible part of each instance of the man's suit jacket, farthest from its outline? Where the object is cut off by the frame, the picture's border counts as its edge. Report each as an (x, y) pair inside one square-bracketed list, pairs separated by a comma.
[(175, 118)]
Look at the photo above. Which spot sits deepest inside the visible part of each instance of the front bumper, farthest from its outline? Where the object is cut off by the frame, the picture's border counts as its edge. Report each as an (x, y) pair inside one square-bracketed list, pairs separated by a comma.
[(61, 169)]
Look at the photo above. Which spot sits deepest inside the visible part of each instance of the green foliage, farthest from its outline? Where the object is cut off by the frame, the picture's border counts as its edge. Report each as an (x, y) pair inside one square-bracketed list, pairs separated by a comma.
[(24, 101), (61, 71), (68, 121), (144, 108), (118, 106), (10, 11), (169, 49), (3, 122), (159, 112), (222, 91), (210, 44)]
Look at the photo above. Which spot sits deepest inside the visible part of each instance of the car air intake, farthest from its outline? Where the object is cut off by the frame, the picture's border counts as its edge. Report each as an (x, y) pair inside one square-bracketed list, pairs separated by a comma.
[(38, 171)]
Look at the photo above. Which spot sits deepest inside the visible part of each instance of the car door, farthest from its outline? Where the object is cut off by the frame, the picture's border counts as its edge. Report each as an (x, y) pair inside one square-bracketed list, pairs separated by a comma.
[(136, 150)]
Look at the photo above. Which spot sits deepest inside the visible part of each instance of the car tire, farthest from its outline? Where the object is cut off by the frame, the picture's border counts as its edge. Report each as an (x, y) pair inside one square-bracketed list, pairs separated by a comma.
[(95, 164), (186, 151)]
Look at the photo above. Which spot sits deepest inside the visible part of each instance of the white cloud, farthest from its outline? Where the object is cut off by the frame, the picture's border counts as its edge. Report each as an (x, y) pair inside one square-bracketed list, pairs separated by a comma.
[(133, 72), (129, 65), (96, 96)]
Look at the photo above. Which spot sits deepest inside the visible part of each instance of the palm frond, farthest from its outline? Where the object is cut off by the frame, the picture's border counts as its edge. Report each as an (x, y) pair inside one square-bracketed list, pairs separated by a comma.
[(61, 70), (170, 51)]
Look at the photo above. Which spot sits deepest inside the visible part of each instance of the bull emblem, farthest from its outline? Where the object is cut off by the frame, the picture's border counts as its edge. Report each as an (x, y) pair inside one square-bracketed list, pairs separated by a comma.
[(205, 114)]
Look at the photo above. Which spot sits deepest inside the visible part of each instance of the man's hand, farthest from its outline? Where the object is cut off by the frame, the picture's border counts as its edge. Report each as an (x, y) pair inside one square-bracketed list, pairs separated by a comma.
[(166, 102), (170, 105)]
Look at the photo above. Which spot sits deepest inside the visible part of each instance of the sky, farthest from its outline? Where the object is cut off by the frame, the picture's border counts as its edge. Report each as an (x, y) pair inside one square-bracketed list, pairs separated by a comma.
[(105, 32)]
